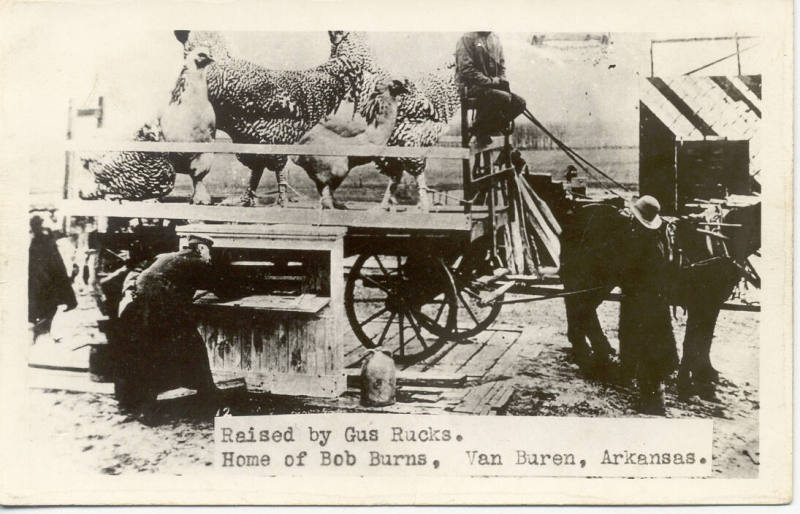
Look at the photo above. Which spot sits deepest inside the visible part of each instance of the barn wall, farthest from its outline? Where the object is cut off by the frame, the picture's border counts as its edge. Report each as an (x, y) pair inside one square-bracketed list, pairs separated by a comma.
[(709, 169)]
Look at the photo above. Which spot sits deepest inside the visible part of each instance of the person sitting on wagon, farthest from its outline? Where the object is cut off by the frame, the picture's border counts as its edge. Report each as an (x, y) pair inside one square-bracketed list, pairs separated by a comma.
[(481, 74), (164, 349)]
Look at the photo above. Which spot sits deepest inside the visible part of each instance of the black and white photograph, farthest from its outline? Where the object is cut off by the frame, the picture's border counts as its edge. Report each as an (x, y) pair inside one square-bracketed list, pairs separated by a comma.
[(385, 247)]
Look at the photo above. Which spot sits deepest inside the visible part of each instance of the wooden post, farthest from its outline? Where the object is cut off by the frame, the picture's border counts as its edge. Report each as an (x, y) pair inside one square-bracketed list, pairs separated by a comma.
[(738, 56), (487, 166), (100, 112), (68, 153), (465, 168)]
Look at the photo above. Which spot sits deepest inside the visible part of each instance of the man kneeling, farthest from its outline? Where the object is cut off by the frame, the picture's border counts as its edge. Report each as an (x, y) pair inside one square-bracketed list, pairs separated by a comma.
[(162, 348)]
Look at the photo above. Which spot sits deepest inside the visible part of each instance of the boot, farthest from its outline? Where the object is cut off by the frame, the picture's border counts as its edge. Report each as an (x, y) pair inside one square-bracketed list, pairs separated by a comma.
[(651, 397)]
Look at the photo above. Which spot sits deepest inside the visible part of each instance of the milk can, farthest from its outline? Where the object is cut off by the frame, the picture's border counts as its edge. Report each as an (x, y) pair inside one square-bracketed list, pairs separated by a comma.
[(378, 378)]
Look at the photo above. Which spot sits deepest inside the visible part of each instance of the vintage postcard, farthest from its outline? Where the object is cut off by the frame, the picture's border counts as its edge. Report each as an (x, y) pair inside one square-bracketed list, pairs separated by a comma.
[(338, 252)]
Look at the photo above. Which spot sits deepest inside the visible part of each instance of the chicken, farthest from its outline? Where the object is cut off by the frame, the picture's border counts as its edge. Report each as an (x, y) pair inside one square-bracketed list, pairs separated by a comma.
[(328, 172), (189, 117), (148, 175), (423, 114), (257, 105)]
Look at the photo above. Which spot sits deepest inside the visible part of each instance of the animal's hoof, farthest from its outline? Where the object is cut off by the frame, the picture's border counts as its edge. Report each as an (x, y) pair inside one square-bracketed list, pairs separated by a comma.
[(652, 406), (282, 200), (91, 195), (685, 392), (201, 200), (707, 392), (248, 199), (340, 206)]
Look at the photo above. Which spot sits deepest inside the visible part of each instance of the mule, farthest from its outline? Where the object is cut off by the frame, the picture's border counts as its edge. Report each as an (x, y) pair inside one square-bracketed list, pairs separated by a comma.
[(707, 267)]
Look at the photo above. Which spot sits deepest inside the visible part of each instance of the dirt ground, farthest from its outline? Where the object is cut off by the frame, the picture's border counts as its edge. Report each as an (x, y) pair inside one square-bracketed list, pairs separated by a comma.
[(85, 432)]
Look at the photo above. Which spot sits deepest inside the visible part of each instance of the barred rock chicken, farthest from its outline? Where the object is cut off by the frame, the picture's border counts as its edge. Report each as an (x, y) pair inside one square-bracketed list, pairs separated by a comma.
[(145, 175), (422, 117), (257, 105), (328, 171)]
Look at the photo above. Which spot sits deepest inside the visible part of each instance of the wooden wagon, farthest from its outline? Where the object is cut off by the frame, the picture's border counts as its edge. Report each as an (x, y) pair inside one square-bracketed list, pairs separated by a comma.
[(414, 280)]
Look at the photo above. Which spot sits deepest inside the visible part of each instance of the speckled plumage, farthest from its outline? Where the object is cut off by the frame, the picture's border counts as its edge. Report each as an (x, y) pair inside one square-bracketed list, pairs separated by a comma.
[(131, 175), (145, 175), (257, 105), (423, 113)]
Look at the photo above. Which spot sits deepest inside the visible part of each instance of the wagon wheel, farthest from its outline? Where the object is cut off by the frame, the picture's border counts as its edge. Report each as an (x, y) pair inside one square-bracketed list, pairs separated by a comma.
[(405, 304), (473, 317)]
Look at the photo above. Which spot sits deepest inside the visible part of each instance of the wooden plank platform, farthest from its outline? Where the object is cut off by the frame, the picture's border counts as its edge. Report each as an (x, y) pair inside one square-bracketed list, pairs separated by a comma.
[(440, 222)]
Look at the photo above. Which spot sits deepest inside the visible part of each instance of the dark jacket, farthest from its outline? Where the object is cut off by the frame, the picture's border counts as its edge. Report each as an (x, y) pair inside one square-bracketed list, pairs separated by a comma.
[(48, 283), (164, 291), (645, 329), (479, 59), (162, 347)]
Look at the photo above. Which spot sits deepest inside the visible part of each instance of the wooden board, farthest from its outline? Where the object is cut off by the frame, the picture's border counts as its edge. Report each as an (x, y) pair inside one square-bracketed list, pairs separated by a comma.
[(486, 398), (441, 152), (304, 303), (66, 381), (497, 345), (415, 379), (445, 222)]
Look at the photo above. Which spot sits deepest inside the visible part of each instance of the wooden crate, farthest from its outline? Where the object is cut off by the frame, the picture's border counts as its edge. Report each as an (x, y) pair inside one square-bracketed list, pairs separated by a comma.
[(284, 337)]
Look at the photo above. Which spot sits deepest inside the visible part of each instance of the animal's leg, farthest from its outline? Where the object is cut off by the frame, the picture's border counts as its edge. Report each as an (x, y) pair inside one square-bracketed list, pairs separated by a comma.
[(335, 182), (248, 198), (199, 167), (280, 177), (596, 335), (389, 199), (601, 349), (393, 169), (576, 319), (688, 366), (325, 198), (629, 345), (706, 373), (422, 188)]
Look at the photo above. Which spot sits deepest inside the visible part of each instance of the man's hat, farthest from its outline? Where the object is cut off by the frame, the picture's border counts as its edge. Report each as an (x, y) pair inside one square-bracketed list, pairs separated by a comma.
[(646, 210), (195, 240)]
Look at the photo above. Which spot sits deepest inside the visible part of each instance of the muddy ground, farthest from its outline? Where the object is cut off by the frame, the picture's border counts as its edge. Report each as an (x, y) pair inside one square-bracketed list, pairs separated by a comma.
[(85, 432)]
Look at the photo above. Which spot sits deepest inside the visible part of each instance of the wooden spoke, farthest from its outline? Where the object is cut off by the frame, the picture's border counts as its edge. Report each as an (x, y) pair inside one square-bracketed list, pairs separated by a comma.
[(420, 290), (376, 284), (373, 316), (417, 330), (386, 329), (400, 335), (382, 268), (469, 309)]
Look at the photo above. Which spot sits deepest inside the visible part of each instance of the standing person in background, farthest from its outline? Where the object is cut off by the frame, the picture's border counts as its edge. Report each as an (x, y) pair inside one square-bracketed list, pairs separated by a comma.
[(481, 74), (48, 283)]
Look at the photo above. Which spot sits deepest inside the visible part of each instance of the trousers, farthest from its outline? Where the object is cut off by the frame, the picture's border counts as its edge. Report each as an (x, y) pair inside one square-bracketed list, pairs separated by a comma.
[(495, 110)]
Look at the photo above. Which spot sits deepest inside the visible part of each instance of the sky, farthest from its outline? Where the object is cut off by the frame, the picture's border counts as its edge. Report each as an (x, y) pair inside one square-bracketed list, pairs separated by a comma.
[(589, 88)]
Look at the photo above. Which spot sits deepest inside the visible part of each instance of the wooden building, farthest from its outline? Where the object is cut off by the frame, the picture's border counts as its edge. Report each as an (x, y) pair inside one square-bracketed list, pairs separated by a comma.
[(698, 138)]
